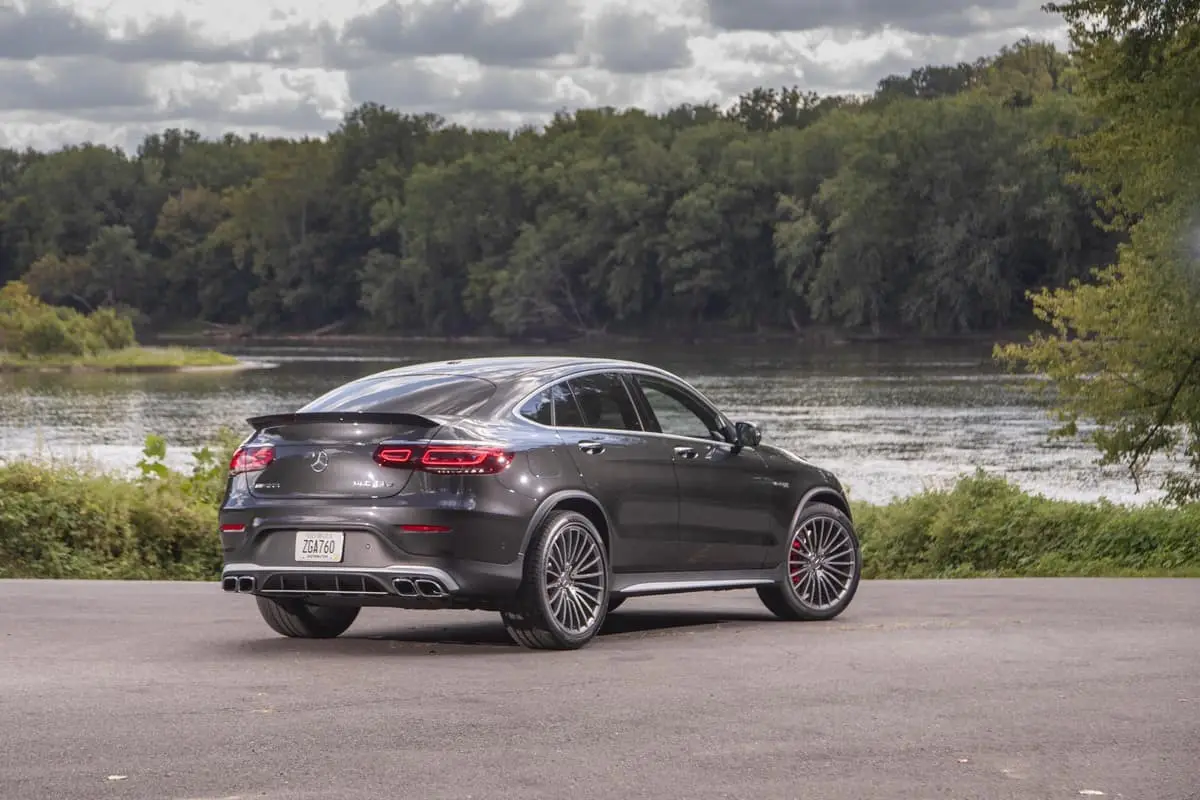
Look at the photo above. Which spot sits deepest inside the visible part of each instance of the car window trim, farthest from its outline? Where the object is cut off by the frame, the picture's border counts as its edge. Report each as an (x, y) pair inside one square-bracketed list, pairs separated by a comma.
[(623, 371)]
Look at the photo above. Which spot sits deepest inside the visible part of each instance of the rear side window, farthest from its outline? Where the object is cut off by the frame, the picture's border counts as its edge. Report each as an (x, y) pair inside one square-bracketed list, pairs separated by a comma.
[(417, 394), (605, 402), (538, 409)]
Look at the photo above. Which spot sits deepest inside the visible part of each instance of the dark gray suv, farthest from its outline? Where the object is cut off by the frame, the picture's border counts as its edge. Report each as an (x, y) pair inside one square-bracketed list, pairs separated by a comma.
[(547, 489)]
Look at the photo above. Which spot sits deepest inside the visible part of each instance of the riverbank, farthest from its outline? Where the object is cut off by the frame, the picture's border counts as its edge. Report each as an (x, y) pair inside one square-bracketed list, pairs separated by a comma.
[(825, 336), (69, 521), (128, 359)]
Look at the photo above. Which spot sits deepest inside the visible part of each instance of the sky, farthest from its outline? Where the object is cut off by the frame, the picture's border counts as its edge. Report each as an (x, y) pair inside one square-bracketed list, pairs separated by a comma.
[(111, 71)]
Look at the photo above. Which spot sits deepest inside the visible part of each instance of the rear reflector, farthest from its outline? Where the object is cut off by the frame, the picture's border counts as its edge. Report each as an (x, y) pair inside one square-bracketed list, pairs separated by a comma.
[(251, 459), (425, 528), (233, 527), (445, 459)]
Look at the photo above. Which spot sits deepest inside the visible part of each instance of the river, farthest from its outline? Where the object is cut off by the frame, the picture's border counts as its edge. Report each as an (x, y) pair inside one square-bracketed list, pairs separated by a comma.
[(889, 419)]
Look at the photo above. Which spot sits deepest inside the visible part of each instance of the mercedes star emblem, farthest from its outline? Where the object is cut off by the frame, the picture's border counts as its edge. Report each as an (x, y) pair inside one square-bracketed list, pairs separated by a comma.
[(320, 461)]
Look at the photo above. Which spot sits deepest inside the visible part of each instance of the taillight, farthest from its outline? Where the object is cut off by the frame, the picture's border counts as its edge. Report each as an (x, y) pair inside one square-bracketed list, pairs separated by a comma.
[(393, 456), (251, 458), (445, 459)]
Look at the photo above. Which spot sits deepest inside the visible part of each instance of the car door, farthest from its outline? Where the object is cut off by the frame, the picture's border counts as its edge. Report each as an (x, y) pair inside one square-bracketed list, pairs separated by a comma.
[(628, 470), (726, 493)]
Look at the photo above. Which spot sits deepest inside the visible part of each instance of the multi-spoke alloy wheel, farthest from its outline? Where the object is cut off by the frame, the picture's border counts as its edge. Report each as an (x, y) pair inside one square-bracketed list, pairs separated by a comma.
[(574, 577), (822, 567), (564, 598)]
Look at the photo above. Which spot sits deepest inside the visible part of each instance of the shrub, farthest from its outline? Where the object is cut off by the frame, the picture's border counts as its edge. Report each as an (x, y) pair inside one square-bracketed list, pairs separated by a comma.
[(985, 525), (30, 327), (66, 522)]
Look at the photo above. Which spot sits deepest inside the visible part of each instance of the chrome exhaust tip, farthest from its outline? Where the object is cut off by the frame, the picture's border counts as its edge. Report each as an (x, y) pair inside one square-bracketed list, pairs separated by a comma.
[(245, 584), (429, 587), (404, 587), (229, 584)]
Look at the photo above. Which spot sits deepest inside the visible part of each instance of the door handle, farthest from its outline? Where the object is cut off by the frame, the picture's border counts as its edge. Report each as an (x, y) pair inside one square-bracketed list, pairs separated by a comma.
[(686, 452), (591, 448)]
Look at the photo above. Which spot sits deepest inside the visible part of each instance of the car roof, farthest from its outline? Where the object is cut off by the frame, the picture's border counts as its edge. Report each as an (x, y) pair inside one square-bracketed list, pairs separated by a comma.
[(509, 369)]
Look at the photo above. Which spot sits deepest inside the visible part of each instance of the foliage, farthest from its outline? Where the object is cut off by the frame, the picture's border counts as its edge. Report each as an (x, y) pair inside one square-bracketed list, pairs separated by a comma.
[(985, 525), (32, 328), (67, 522), (62, 521), (929, 207), (1125, 348)]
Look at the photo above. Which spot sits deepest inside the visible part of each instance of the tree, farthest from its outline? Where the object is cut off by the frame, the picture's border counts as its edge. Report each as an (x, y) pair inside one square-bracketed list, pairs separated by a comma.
[(1124, 350)]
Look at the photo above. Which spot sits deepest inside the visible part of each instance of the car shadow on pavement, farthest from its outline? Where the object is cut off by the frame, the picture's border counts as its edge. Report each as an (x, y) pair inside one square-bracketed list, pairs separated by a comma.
[(487, 635)]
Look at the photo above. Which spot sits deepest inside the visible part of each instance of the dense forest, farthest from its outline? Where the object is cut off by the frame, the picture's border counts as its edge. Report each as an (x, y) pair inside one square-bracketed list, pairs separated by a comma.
[(929, 207)]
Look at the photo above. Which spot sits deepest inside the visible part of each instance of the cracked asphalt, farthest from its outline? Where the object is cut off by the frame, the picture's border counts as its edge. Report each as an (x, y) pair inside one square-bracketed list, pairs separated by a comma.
[(926, 689)]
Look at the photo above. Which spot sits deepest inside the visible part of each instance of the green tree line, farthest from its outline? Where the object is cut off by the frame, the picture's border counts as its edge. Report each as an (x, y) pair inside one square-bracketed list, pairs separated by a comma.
[(931, 206)]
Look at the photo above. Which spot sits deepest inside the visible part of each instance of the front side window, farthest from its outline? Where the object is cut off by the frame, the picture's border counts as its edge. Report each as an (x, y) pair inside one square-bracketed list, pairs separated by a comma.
[(679, 414)]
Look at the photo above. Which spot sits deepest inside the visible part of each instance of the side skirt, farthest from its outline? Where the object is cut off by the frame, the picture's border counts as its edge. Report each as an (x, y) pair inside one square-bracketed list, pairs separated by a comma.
[(643, 584)]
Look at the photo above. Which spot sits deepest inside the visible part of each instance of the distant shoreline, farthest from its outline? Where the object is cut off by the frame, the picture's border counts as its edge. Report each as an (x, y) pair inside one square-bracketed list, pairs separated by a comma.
[(809, 337), (132, 360), (128, 368)]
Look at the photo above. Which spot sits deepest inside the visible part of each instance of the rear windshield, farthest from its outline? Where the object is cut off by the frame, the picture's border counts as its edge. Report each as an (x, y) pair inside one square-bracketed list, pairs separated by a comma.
[(417, 394)]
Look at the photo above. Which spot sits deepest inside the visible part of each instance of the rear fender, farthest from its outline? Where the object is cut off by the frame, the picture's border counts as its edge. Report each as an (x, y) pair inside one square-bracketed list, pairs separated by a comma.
[(549, 504)]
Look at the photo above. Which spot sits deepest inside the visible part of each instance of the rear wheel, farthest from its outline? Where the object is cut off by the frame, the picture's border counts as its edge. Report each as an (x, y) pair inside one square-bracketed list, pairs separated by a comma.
[(563, 600), (302, 620), (822, 567)]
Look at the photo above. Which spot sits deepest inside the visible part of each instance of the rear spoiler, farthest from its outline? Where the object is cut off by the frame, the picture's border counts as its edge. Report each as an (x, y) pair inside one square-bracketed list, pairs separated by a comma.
[(367, 417)]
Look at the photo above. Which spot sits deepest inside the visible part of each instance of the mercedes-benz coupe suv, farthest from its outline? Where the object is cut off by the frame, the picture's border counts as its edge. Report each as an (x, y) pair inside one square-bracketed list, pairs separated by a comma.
[(547, 489)]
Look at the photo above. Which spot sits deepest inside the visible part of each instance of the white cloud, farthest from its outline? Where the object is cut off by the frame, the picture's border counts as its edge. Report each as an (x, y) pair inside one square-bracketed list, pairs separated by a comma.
[(112, 70)]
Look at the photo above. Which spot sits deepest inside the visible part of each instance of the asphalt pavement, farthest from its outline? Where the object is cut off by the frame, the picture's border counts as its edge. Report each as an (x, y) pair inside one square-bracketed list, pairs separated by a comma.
[(956, 689)]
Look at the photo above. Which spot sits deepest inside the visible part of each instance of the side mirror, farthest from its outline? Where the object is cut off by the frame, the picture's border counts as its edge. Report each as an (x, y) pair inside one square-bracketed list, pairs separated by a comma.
[(746, 434)]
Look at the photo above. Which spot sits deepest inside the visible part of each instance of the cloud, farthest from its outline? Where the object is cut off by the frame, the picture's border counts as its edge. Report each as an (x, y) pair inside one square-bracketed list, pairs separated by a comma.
[(72, 85), (448, 85), (49, 29), (537, 32), (113, 69), (936, 17), (638, 43)]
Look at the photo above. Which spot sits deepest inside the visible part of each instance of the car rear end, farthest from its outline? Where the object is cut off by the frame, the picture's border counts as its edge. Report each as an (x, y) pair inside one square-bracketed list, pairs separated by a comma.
[(344, 502)]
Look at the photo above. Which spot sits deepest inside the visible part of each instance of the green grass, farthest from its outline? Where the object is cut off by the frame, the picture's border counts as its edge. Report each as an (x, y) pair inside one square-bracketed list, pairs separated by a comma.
[(128, 358), (71, 521)]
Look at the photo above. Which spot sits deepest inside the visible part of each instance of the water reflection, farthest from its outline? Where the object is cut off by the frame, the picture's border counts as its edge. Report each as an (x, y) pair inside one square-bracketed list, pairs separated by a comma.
[(890, 419)]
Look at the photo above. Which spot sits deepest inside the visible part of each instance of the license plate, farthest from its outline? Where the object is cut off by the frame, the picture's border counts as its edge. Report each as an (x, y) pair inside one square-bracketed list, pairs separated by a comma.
[(319, 545)]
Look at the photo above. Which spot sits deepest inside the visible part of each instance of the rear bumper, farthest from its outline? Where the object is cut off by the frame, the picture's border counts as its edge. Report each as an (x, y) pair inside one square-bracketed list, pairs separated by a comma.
[(478, 561), (407, 585)]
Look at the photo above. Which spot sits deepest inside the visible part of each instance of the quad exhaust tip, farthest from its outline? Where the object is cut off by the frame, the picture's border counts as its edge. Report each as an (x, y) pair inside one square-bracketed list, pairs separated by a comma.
[(419, 587), (429, 587), (245, 584), (238, 583), (229, 584)]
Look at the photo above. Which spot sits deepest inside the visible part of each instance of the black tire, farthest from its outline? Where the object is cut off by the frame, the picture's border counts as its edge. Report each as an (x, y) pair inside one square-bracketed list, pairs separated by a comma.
[(532, 622), (300, 620), (615, 602), (843, 553)]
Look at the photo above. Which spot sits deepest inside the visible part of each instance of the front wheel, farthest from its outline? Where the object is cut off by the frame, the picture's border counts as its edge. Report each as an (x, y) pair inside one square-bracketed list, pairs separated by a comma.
[(822, 566), (563, 599), (301, 620)]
